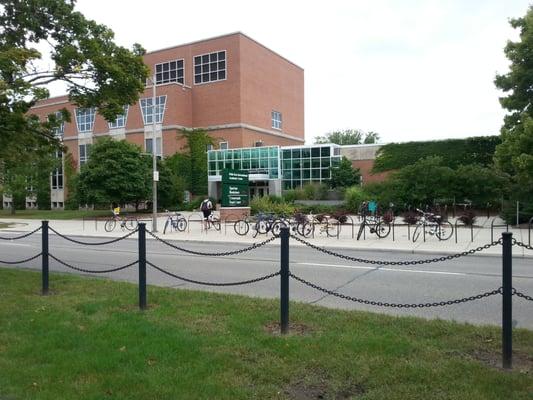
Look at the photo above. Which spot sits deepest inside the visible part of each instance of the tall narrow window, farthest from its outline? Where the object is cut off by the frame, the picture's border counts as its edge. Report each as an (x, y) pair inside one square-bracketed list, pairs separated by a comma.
[(170, 71), (276, 120), (85, 119), (120, 121), (60, 130), (85, 152), (210, 67), (57, 174), (150, 148), (149, 112)]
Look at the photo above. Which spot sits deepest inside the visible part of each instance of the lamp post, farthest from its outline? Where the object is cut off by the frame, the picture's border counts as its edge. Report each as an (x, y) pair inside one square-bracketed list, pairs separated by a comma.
[(155, 176)]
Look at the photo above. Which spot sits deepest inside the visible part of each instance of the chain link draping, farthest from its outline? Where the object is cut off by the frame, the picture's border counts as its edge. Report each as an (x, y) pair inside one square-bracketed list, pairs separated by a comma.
[(396, 305), (220, 254), (204, 283), (522, 295), (412, 262), (104, 271), (93, 243), (21, 261), (520, 244), (22, 236)]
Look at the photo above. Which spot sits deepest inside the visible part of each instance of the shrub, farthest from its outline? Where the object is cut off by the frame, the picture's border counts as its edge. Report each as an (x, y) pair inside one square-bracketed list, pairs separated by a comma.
[(468, 217), (265, 204), (353, 198), (313, 191), (317, 209), (410, 217)]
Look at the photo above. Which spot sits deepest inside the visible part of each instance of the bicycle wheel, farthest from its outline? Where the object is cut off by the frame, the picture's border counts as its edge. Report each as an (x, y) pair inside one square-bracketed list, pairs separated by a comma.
[(306, 229), (416, 232), (444, 231), (333, 228), (241, 227), (276, 227), (181, 225), (110, 225), (262, 227), (361, 229), (216, 223), (382, 229), (131, 223), (167, 222)]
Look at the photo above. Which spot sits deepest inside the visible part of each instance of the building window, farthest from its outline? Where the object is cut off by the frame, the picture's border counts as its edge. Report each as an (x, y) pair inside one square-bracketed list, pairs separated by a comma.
[(210, 67), (60, 130), (85, 151), (57, 174), (171, 71), (120, 121), (149, 148), (148, 110), (208, 147), (85, 119), (224, 145), (276, 120)]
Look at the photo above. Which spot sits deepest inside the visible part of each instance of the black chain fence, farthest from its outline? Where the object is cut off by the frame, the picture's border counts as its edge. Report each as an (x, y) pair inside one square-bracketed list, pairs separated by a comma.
[(411, 262), (21, 236), (396, 305), (522, 295), (520, 244), (221, 254), (204, 283), (90, 271), (21, 261), (93, 243)]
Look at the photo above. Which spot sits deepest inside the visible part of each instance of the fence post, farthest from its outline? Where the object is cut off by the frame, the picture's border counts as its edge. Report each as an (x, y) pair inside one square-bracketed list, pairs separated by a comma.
[(284, 280), (142, 265), (507, 300), (44, 257)]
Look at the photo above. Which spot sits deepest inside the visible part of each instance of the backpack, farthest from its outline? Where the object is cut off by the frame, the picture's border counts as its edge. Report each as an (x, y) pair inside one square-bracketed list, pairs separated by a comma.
[(206, 205)]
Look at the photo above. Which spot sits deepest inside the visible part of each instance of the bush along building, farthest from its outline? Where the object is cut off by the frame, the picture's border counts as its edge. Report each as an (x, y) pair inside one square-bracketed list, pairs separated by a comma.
[(239, 91)]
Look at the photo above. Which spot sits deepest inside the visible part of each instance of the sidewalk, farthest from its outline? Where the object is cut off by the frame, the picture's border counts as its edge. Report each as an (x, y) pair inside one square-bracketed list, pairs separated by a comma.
[(194, 232)]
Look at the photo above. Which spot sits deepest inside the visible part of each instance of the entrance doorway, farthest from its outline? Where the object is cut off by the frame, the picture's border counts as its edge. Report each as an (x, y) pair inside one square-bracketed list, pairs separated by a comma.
[(259, 189)]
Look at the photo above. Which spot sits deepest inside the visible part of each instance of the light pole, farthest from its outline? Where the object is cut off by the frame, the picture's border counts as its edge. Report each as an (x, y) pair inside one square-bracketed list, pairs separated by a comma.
[(155, 176)]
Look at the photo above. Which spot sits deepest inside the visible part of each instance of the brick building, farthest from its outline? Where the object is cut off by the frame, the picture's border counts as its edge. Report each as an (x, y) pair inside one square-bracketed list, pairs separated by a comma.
[(242, 93)]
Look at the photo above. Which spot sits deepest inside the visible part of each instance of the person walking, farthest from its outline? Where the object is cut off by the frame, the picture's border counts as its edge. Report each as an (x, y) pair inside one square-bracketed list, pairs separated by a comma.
[(207, 208)]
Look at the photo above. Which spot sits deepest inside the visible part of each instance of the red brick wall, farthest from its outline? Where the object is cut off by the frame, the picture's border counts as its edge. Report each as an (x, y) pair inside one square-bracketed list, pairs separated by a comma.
[(366, 167)]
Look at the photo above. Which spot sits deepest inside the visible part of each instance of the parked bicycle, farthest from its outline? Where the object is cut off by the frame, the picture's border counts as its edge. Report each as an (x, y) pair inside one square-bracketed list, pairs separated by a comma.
[(175, 222), (326, 225), (375, 224), (432, 224), (212, 221), (128, 222), (265, 223)]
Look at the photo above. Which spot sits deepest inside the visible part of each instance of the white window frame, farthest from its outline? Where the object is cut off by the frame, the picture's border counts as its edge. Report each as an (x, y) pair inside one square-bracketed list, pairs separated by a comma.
[(59, 132), (169, 80), (158, 144), (86, 150), (223, 145), (148, 112), (277, 120), (208, 64), (58, 172), (122, 117), (89, 115)]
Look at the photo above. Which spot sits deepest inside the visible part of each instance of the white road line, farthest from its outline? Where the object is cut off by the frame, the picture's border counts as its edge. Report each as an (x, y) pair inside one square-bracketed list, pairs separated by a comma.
[(382, 269), (9, 243)]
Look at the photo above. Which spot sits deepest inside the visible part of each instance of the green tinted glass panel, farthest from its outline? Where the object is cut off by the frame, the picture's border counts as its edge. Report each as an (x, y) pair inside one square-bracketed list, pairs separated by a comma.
[(254, 153), (325, 173), (286, 185), (325, 162), (296, 153), (211, 155), (306, 153), (306, 173), (246, 164), (274, 163), (274, 174), (315, 162), (254, 163), (306, 163), (286, 154), (286, 164), (325, 151), (274, 152), (315, 152), (315, 173), (296, 174), (246, 153), (263, 152), (263, 163), (286, 174)]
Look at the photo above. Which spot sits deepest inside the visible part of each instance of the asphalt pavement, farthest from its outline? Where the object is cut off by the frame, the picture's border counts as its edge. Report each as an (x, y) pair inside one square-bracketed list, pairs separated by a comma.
[(425, 283)]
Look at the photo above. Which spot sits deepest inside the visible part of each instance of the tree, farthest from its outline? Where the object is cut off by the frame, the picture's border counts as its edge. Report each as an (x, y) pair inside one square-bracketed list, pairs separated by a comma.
[(348, 136), (97, 72), (344, 175), (515, 154), (116, 172)]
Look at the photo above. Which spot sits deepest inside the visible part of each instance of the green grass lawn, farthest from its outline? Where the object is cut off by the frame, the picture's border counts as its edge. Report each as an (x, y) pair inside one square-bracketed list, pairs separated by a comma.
[(87, 340), (55, 214)]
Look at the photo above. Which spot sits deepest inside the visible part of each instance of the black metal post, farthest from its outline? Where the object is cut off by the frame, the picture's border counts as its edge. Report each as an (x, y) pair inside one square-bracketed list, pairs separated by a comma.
[(142, 265), (44, 256), (507, 300), (284, 278)]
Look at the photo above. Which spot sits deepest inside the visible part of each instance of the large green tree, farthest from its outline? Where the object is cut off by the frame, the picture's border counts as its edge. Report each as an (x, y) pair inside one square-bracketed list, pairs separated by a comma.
[(348, 136), (515, 155), (117, 172), (82, 54), (344, 175)]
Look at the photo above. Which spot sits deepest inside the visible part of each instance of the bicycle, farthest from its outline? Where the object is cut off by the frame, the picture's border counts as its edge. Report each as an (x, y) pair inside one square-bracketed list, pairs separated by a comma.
[(212, 221), (130, 223), (375, 225), (441, 229), (267, 223), (327, 224), (241, 227), (176, 222)]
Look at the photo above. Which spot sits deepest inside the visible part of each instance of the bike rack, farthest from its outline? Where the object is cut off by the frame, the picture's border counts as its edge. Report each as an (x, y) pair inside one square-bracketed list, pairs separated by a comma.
[(492, 226), (189, 220), (393, 223), (408, 231), (529, 231), (236, 217), (351, 223)]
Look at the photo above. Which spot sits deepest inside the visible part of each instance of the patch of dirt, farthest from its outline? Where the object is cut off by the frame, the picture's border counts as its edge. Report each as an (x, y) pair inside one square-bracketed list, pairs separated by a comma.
[(521, 362), (318, 387), (295, 329)]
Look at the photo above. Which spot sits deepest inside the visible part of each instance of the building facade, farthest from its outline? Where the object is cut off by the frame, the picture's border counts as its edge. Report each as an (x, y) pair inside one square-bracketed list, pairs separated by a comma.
[(242, 93)]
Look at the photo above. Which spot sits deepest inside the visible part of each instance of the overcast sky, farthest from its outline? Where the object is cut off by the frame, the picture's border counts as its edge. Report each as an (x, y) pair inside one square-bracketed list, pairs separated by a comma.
[(410, 70)]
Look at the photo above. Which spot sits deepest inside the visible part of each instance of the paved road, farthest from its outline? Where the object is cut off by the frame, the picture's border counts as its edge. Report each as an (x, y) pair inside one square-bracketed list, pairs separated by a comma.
[(406, 284)]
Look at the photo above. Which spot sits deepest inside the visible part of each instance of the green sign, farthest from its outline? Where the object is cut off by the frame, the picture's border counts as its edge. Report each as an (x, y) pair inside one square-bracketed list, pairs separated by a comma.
[(234, 188)]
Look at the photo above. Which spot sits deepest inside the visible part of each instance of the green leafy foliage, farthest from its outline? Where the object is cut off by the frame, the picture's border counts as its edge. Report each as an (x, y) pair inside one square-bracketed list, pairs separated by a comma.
[(348, 136), (266, 204), (193, 166), (353, 197), (344, 175), (116, 172), (454, 152)]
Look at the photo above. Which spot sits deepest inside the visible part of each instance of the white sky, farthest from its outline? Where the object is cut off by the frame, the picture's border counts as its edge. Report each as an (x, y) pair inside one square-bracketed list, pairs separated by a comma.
[(408, 69)]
